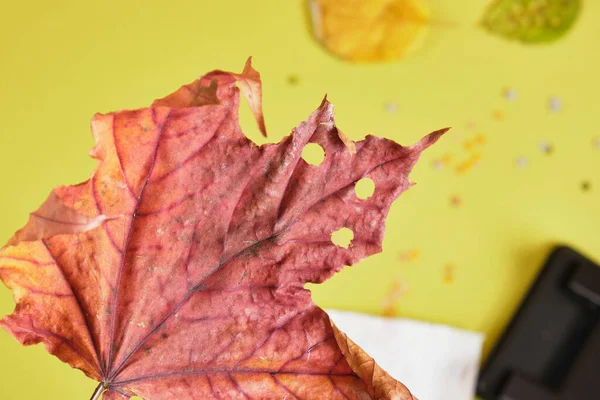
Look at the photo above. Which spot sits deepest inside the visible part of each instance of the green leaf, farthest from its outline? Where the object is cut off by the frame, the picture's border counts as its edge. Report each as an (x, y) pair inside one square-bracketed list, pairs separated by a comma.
[(531, 21)]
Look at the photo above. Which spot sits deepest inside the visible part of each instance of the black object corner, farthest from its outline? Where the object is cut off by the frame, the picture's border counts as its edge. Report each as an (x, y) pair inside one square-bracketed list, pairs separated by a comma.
[(551, 348)]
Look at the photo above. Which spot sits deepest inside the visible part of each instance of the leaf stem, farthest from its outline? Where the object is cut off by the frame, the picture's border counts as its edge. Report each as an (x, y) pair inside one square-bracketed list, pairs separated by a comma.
[(98, 392)]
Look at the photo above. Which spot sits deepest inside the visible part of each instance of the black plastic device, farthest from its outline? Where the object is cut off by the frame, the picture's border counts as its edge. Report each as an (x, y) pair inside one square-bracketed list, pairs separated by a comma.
[(551, 348)]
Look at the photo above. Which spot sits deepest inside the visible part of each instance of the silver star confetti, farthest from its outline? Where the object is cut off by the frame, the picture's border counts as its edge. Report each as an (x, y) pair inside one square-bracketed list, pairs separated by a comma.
[(510, 94), (521, 162), (546, 147), (391, 107), (554, 104)]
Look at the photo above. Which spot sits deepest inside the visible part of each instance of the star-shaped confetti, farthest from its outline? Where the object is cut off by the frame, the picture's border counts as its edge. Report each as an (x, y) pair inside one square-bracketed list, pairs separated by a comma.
[(554, 104), (510, 94), (521, 162), (546, 147)]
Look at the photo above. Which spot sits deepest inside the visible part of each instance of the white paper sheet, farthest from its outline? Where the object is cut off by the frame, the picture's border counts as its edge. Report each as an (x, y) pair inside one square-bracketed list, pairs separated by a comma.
[(436, 362)]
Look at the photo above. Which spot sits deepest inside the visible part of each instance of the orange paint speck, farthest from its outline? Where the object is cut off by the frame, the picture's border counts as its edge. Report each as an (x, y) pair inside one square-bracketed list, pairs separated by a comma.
[(498, 115), (446, 159), (467, 165), (396, 292), (410, 255), (448, 275), (480, 139), (470, 125), (455, 201)]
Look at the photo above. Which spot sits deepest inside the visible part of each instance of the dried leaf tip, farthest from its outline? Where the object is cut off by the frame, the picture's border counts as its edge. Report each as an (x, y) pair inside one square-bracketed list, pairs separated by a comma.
[(251, 87), (328, 107), (205, 91), (429, 139), (380, 384), (349, 143)]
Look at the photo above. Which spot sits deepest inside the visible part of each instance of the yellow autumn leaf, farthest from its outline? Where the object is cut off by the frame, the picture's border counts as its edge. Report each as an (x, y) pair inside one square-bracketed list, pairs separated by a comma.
[(369, 30)]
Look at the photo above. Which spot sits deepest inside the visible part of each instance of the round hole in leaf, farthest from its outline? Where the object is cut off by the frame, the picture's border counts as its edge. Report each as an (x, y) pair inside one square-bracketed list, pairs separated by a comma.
[(364, 188), (342, 237), (313, 154)]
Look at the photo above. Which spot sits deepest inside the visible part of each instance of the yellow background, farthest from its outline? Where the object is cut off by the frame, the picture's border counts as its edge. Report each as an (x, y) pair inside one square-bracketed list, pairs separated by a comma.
[(61, 61)]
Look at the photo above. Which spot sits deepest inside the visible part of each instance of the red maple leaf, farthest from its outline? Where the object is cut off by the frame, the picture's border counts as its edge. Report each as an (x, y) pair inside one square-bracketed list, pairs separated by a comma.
[(177, 270)]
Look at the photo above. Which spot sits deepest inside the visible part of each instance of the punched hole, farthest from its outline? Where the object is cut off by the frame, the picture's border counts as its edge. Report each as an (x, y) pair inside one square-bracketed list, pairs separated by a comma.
[(364, 188), (342, 237), (313, 154)]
